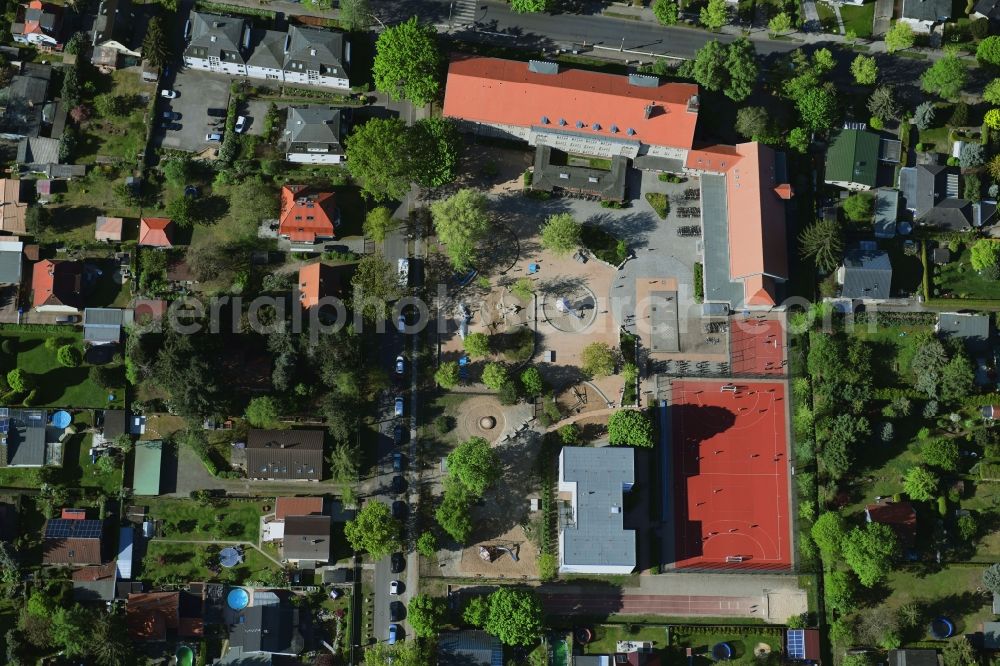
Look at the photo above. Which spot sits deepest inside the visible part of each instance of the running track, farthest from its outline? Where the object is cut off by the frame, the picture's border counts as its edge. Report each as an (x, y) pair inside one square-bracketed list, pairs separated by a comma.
[(576, 603)]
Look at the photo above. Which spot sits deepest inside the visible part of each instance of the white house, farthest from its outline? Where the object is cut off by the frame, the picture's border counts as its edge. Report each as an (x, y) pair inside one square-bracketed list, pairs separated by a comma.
[(267, 55), (316, 58), (38, 25), (312, 135), (215, 44), (921, 15), (592, 536)]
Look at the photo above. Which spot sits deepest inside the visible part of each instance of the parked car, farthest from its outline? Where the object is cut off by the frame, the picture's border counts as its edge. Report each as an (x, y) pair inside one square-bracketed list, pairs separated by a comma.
[(171, 115), (394, 587), (396, 611), (397, 462), (397, 435), (397, 563), (403, 267), (213, 136), (173, 127), (398, 484), (216, 113), (169, 94), (68, 319), (393, 633), (241, 124), (399, 510), (398, 406), (401, 323), (400, 365)]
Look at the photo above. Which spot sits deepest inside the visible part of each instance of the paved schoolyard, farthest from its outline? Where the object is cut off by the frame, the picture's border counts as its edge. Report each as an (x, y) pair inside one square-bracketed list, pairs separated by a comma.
[(198, 92)]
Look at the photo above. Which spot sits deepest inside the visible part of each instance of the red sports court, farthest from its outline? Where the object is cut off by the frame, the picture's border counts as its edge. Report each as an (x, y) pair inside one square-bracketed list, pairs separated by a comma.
[(730, 457), (756, 347)]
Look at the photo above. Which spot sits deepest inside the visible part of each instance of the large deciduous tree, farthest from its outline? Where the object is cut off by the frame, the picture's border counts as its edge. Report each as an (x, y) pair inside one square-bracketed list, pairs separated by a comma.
[(709, 66), (453, 513), (828, 532), (530, 6), (988, 51), (666, 11), (598, 359), (920, 484), (355, 14), (864, 69), (741, 66), (475, 464), (378, 155), (375, 283), (406, 62), (374, 530), (515, 616), (945, 77), (900, 36), (435, 148), (426, 614), (561, 234), (714, 15), (869, 551), (630, 427), (461, 221)]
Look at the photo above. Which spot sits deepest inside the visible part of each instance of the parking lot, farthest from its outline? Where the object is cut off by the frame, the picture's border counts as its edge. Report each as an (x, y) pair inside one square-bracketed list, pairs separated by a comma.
[(197, 92)]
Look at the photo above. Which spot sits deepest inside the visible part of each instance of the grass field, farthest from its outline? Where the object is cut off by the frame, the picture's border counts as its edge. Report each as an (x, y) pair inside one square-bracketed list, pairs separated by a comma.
[(606, 636), (743, 641), (84, 200), (827, 17), (58, 386), (118, 137), (187, 520), (859, 19), (186, 561), (960, 279)]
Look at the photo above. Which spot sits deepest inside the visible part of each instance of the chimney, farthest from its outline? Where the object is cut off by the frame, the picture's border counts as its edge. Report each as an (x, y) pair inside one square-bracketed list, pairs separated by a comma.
[(648, 111)]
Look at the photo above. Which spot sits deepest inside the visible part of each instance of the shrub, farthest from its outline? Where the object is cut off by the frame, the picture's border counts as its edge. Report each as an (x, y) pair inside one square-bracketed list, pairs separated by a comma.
[(69, 356), (660, 203), (888, 432), (967, 527), (569, 434), (507, 394), (699, 283), (442, 424)]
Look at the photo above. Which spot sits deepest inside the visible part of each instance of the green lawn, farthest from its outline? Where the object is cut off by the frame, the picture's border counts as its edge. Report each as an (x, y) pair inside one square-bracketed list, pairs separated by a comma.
[(186, 520), (118, 137), (58, 386), (958, 279), (858, 19), (84, 200), (951, 591), (167, 562), (742, 640), (604, 246), (79, 471), (607, 635), (828, 18)]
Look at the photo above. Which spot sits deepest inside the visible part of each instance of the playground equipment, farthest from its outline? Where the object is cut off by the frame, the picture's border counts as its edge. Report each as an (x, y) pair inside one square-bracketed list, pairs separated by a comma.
[(491, 553)]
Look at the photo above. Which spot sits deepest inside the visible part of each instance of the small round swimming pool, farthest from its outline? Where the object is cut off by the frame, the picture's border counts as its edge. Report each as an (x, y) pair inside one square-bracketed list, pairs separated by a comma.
[(237, 599), (61, 419)]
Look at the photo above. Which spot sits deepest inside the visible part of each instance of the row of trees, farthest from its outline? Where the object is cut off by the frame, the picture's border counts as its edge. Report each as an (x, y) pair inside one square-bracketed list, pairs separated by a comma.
[(513, 615)]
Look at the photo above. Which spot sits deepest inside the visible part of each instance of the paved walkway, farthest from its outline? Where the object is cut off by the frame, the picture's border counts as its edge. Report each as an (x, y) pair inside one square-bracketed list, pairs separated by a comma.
[(645, 604), (810, 14)]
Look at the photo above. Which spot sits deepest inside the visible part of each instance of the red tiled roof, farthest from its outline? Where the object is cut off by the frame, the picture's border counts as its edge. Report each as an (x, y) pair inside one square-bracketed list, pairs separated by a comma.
[(156, 232), (506, 92), (95, 573), (900, 516), (148, 615), (71, 551), (57, 283), (306, 214), (74, 514), (316, 281), (298, 506), (108, 228), (149, 307)]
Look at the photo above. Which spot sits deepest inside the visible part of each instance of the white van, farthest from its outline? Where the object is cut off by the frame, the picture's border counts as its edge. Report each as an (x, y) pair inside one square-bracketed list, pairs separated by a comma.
[(404, 272)]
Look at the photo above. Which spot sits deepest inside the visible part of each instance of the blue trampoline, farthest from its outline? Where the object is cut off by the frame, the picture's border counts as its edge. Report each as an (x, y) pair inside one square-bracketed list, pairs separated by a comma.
[(61, 419), (230, 557), (238, 598), (942, 628), (722, 652)]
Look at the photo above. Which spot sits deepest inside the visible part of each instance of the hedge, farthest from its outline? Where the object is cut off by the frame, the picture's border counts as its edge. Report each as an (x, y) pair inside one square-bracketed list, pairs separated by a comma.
[(989, 471), (891, 393), (37, 328), (699, 282), (896, 318)]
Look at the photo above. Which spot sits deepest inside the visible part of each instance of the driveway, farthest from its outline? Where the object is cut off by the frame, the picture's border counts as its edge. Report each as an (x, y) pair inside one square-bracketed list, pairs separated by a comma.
[(198, 92), (883, 17)]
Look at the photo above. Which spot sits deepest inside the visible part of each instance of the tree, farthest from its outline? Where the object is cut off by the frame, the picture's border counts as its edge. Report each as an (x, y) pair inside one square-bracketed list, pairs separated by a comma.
[(957, 378), (71, 630), (495, 375), (883, 104), (598, 360), (436, 145), (714, 15), (900, 36), (344, 466), (477, 345), (403, 653), (253, 200), (709, 68), (475, 464), (427, 544), (828, 532), (406, 62), (822, 241), (859, 207), (447, 375), (754, 122), (823, 61), (426, 614), (988, 51), (378, 223), (994, 167), (798, 139), (561, 234), (80, 113), (630, 427), (920, 484), (869, 551), (453, 513), (972, 155), (840, 589), (110, 645), (69, 356), (991, 578), (529, 6), (741, 65), (818, 108), (461, 221), (355, 14), (923, 115), (476, 611), (515, 616), (666, 11), (373, 529), (262, 412), (532, 382), (185, 211), (178, 171), (945, 77), (378, 155), (992, 119), (154, 44), (780, 23), (375, 283), (865, 70), (984, 254), (941, 453), (968, 529), (959, 652), (991, 93)]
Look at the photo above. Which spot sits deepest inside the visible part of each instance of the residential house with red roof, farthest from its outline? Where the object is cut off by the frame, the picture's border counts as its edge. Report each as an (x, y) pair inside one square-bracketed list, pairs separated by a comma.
[(289, 507), (307, 216), (13, 206), (315, 282), (57, 286), (156, 232), (900, 516), (38, 24), (72, 541), (573, 110), (150, 615), (743, 193)]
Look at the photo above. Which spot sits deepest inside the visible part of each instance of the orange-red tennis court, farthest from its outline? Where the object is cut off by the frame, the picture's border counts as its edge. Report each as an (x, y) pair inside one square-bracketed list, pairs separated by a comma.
[(730, 458), (756, 347)]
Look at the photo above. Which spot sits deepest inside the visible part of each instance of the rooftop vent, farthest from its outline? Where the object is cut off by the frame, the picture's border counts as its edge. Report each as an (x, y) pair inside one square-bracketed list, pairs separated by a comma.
[(643, 80), (616, 509), (579, 124), (694, 104), (564, 176), (562, 122), (630, 132), (648, 111), (543, 67), (545, 120), (596, 127), (614, 129)]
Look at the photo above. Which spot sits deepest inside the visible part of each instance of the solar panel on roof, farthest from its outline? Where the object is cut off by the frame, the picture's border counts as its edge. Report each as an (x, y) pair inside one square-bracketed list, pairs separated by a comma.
[(796, 643), (61, 528)]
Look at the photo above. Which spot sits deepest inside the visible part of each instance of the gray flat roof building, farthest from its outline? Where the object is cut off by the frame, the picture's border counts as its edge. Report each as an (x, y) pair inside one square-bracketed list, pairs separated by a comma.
[(972, 329), (102, 326), (24, 439), (307, 538), (592, 534), (886, 212), (11, 260), (866, 275), (469, 648)]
